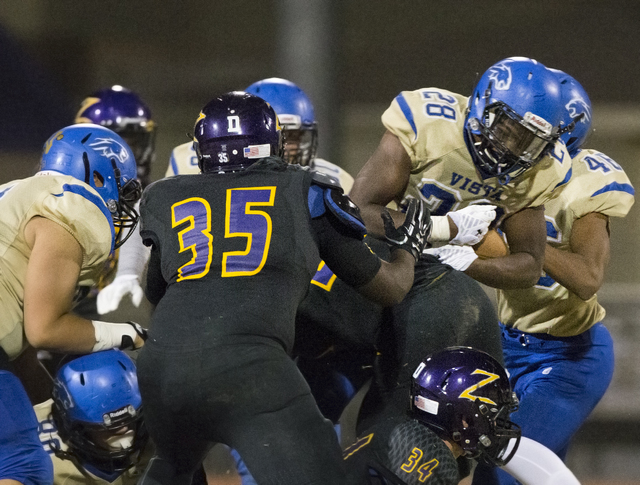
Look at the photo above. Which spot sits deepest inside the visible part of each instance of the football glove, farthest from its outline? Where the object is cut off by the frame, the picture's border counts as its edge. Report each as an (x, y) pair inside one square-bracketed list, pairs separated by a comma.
[(458, 257), (413, 233), (110, 296), (472, 223)]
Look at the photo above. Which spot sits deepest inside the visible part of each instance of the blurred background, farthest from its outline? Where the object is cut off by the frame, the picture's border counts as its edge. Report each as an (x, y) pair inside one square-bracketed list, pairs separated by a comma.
[(352, 57)]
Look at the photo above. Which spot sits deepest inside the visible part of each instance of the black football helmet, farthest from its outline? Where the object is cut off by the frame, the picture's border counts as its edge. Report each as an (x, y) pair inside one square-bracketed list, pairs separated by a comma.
[(464, 395), (234, 131)]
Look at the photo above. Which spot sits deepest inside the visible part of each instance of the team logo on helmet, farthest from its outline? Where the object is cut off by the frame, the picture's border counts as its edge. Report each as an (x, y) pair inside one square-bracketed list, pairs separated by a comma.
[(468, 392), (86, 104), (579, 106), (110, 148), (500, 74), (49, 143)]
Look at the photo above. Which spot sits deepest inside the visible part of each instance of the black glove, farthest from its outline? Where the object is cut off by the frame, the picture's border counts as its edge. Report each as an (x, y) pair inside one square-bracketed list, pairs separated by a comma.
[(127, 342), (413, 233)]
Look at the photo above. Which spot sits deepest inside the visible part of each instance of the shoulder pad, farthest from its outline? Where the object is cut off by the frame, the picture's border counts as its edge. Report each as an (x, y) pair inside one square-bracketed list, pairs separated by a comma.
[(345, 210), (325, 181)]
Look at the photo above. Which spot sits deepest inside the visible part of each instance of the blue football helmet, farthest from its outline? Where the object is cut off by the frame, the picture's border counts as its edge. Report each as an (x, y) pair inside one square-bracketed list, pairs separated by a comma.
[(296, 116), (234, 130), (577, 112), (122, 111), (100, 158), (97, 409), (513, 118), (464, 395)]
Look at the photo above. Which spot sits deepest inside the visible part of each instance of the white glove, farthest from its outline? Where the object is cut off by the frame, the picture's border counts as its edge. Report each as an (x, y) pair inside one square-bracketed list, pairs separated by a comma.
[(458, 257), (110, 296), (472, 222)]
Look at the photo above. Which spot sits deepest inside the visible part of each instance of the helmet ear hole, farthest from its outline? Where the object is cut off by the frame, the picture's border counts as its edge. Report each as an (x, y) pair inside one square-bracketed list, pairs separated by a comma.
[(98, 179)]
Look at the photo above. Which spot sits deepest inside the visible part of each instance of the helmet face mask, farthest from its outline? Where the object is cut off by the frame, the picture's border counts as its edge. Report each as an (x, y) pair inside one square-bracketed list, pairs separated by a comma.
[(513, 118), (102, 159), (508, 144), (464, 396), (296, 115), (98, 411), (299, 145), (234, 131)]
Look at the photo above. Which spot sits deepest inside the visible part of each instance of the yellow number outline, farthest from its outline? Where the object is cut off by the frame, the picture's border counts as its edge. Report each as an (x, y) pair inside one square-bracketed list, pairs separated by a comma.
[(248, 209), (192, 247)]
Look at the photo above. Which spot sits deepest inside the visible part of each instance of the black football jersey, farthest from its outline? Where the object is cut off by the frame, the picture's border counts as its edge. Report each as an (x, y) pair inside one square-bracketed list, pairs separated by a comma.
[(237, 252)]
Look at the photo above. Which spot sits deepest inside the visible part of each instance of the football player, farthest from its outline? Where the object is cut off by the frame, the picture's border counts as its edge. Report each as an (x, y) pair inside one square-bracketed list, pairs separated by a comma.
[(58, 228), (233, 250), (497, 146), (460, 406), (124, 112), (558, 352), (93, 426)]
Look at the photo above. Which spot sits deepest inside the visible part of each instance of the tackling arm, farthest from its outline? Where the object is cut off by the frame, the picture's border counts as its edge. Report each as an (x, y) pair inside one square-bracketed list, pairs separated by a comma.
[(381, 180), (52, 275)]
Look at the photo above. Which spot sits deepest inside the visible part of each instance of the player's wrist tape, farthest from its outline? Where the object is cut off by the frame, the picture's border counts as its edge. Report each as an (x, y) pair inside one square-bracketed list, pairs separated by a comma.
[(440, 230), (116, 335)]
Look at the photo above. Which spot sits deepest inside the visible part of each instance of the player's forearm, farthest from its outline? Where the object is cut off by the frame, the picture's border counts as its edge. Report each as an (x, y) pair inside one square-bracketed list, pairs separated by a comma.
[(518, 270), (573, 271), (68, 333), (393, 280)]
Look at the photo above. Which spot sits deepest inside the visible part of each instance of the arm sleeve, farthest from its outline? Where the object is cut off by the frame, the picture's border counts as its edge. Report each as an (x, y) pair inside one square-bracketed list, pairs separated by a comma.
[(133, 255), (156, 285), (349, 257)]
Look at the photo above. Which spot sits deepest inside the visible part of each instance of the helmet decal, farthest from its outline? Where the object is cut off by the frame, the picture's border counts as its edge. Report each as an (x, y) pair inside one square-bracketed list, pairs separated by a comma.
[(234, 124), (110, 148), (466, 394), (501, 76), (49, 143), (579, 106), (86, 104)]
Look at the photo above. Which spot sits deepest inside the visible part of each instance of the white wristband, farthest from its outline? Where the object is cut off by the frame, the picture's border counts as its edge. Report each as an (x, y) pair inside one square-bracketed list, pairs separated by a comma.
[(109, 335), (440, 231)]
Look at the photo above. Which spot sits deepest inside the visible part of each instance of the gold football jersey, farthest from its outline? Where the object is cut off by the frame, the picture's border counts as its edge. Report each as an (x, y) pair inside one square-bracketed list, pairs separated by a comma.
[(598, 184), (65, 200), (185, 162), (65, 472), (429, 123)]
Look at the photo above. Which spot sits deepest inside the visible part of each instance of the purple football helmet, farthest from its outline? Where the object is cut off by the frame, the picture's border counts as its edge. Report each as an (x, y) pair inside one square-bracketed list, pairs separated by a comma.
[(234, 131), (464, 395), (122, 111), (514, 117)]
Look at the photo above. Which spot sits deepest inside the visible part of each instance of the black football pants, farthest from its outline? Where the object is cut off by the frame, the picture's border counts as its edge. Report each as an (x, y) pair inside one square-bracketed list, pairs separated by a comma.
[(248, 395)]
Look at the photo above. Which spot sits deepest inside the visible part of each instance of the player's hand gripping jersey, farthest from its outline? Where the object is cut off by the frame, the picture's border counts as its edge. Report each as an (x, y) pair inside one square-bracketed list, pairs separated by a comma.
[(598, 184), (229, 257), (429, 123), (62, 199)]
